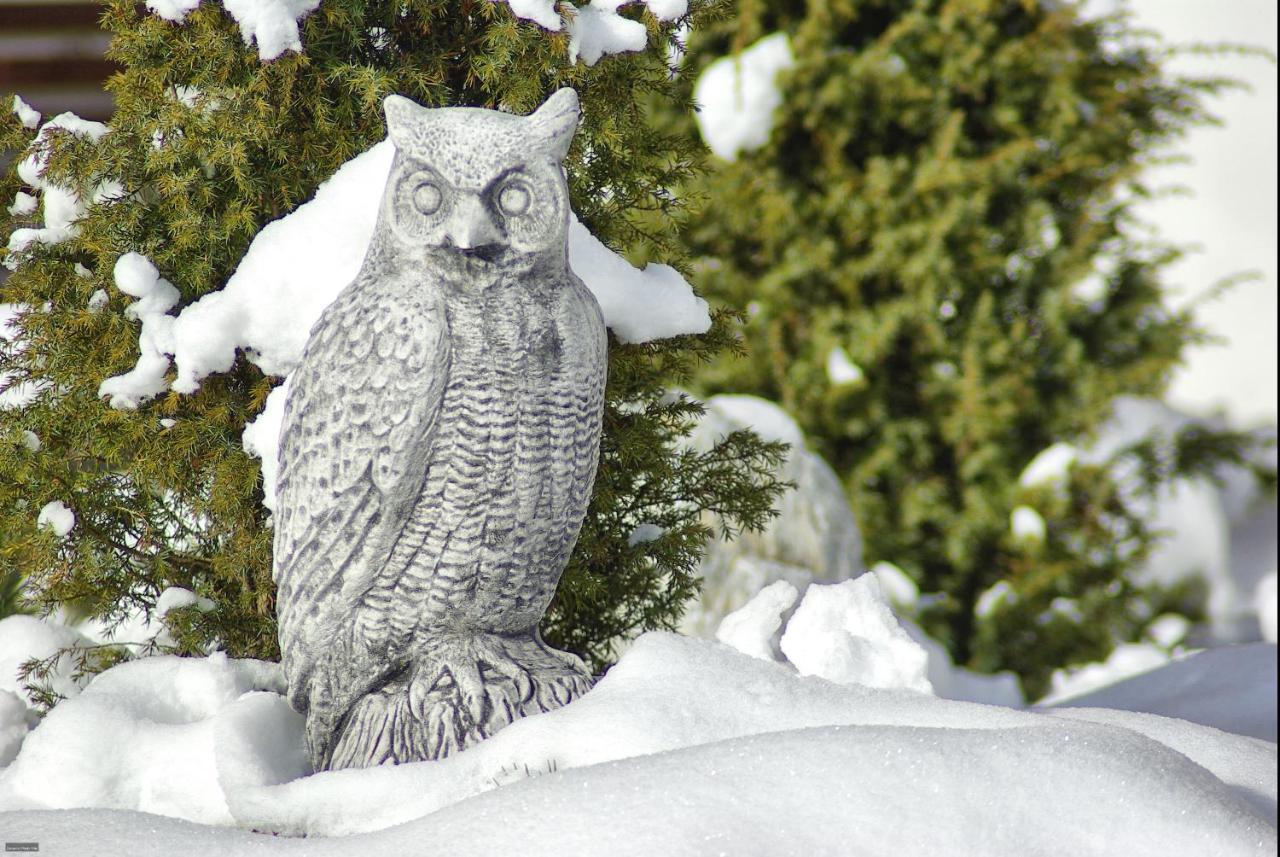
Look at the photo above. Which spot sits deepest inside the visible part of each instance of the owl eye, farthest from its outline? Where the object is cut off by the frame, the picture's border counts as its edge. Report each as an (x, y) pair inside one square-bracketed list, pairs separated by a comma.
[(427, 198), (514, 199)]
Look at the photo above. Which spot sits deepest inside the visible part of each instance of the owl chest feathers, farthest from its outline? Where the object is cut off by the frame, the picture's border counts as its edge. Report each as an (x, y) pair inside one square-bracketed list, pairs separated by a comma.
[(511, 462)]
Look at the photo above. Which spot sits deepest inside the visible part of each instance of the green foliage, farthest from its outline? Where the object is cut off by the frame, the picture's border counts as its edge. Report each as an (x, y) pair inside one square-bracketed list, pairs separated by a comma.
[(178, 503), (940, 174)]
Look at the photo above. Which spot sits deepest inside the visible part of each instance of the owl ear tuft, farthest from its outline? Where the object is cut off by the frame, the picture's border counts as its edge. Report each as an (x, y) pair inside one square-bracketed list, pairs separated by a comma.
[(557, 120), (402, 117)]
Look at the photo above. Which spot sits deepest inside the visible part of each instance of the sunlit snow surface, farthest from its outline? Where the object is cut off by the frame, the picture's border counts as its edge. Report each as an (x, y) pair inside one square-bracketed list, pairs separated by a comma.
[(685, 747)]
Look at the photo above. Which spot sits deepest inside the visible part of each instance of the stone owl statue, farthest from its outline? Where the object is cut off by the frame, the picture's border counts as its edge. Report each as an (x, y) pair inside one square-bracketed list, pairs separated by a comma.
[(438, 449)]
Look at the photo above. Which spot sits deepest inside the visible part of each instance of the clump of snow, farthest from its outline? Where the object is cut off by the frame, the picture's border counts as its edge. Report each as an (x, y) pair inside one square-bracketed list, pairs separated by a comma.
[(175, 598), (991, 598), (173, 10), (541, 12), (847, 633), (753, 628), (55, 515), (1027, 525), (1168, 630), (31, 440), (273, 24), (98, 300), (644, 533), (23, 204), (1265, 602), (746, 756), (901, 590), (62, 206), (738, 95), (24, 638), (841, 369), (136, 276), (1050, 467), (261, 438), (27, 115)]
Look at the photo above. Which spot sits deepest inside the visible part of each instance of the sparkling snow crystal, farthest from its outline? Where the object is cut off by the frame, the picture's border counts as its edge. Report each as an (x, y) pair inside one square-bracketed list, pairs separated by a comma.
[(737, 96)]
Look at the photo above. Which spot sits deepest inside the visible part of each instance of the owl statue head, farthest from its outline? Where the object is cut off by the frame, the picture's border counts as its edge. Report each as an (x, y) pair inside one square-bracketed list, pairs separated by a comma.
[(478, 187)]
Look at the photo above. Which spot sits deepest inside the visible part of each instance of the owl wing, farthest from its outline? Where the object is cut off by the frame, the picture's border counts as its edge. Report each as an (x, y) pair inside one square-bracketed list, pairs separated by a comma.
[(354, 451)]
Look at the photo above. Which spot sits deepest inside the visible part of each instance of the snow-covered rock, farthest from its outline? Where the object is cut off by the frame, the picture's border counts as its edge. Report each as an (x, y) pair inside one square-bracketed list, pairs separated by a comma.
[(813, 538)]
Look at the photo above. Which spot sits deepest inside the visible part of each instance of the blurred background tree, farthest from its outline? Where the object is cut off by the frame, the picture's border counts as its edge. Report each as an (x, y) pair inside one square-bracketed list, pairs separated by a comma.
[(932, 235)]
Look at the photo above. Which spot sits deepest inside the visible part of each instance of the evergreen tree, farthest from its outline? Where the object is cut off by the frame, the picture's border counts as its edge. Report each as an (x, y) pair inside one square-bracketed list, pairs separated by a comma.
[(208, 143), (941, 178)]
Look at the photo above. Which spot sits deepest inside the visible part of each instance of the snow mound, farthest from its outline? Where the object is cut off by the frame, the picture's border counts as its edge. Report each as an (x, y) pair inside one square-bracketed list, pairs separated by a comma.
[(1232, 688), (56, 516), (685, 747), (738, 95)]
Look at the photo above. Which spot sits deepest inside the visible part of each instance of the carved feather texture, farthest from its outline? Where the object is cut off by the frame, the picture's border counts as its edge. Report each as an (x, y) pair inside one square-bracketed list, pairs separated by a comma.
[(438, 450)]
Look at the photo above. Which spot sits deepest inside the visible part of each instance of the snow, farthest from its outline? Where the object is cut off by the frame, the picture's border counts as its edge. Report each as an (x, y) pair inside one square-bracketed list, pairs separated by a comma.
[(98, 300), (992, 597), (16, 719), (737, 96), (261, 438), (62, 206), (297, 265), (173, 10), (31, 440), (900, 589), (136, 276), (753, 628), (1124, 661), (56, 516), (846, 633), (1027, 525), (813, 538), (684, 747), (273, 24), (1264, 600), (13, 395), (541, 12), (23, 204), (1232, 688), (25, 637), (27, 115), (1050, 467), (176, 598), (841, 369), (644, 533)]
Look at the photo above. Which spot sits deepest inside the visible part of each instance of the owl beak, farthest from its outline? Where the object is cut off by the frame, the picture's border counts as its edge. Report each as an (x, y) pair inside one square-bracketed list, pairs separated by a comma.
[(471, 230)]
